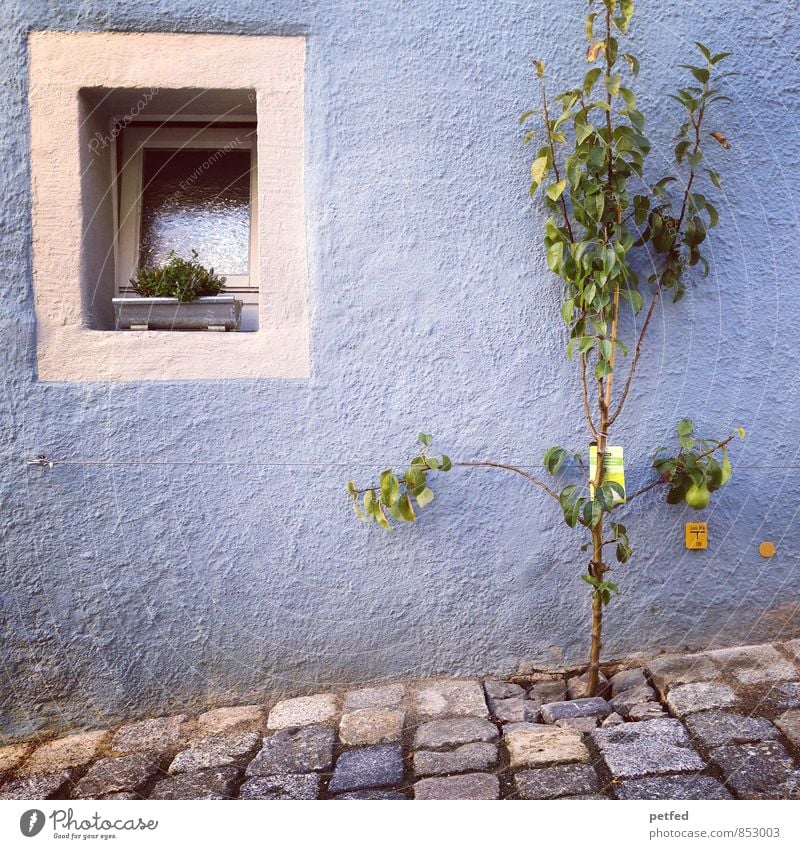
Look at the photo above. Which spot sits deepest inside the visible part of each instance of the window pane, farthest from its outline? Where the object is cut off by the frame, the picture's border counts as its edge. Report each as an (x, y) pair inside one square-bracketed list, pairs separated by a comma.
[(196, 200)]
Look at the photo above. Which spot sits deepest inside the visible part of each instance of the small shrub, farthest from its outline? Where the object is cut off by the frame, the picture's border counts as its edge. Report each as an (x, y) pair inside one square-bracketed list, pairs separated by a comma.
[(184, 279)]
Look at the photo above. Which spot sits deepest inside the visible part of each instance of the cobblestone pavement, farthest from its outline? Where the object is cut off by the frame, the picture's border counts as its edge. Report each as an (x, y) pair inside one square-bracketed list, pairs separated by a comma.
[(715, 725)]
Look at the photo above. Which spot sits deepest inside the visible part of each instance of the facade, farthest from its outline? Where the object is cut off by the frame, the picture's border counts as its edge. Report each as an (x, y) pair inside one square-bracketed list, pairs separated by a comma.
[(193, 543)]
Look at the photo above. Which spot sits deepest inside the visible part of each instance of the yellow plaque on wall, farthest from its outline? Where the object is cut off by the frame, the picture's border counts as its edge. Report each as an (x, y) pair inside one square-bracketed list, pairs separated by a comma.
[(696, 535)]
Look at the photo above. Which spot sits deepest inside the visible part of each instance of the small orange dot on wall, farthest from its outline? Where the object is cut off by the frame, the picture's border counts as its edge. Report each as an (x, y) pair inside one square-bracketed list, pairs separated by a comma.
[(767, 548)]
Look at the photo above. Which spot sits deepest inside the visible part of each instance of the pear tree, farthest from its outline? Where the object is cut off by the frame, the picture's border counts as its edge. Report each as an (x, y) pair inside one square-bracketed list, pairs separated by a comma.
[(607, 221)]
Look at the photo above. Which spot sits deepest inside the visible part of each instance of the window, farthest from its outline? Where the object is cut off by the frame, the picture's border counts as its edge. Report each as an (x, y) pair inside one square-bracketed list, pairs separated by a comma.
[(142, 143), (190, 187)]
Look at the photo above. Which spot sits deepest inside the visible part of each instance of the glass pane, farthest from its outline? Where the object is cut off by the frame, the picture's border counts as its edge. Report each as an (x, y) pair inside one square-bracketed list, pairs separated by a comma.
[(196, 200)]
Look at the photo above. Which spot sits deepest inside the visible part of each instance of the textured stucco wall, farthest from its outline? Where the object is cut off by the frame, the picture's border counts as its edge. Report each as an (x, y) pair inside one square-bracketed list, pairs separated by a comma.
[(139, 588)]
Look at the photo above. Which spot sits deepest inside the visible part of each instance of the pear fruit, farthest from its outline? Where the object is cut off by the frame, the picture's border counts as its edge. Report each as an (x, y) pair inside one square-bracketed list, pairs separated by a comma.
[(697, 496)]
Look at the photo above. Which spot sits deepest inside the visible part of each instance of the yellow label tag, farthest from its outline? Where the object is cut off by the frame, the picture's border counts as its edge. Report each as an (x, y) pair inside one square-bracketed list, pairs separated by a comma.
[(614, 471), (696, 535)]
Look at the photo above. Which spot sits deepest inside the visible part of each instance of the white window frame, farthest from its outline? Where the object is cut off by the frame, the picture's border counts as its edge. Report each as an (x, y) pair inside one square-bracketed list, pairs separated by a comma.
[(69, 346), (134, 141)]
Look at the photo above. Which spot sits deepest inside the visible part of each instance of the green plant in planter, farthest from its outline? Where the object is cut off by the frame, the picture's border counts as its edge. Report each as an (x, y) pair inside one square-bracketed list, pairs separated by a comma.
[(184, 279), (604, 214)]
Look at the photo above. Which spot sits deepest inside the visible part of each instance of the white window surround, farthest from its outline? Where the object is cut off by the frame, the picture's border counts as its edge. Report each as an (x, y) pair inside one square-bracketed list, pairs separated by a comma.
[(64, 210)]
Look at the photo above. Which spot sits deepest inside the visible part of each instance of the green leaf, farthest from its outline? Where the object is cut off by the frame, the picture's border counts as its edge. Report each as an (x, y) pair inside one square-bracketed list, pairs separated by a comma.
[(589, 26), (704, 50), (525, 115), (582, 132), (567, 496), (633, 62), (602, 369), (351, 488), (567, 309), (446, 464), (695, 159), (590, 79), (555, 191), (382, 519), (727, 471), (360, 514), (425, 497), (741, 431), (390, 488), (405, 509), (538, 169), (612, 84), (554, 458), (685, 427), (718, 57), (555, 254), (592, 513)]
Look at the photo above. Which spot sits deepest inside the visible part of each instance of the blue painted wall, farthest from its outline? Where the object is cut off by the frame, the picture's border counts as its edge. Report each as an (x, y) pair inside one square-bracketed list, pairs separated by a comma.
[(134, 589)]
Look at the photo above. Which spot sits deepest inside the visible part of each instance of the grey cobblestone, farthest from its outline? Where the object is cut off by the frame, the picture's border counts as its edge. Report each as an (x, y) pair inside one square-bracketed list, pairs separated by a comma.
[(514, 710), (302, 787), (627, 679), (373, 767), (369, 726), (450, 698), (543, 692), (758, 770), (304, 710), (472, 786), (576, 708), (670, 670), (556, 781), (467, 758), (221, 750), (503, 690), (76, 750), (672, 787), (159, 734), (639, 749), (45, 786), (199, 784), (386, 695), (297, 750), (112, 775), (221, 720), (754, 664), (689, 698), (442, 733), (718, 728)]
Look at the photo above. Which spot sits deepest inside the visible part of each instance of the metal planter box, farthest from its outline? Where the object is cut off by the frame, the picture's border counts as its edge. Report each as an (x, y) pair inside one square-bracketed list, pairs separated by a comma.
[(213, 312)]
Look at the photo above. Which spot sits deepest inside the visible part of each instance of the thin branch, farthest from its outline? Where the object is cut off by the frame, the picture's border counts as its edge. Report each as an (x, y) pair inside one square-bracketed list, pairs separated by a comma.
[(585, 391), (717, 447), (553, 156), (636, 354), (518, 471), (647, 488)]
